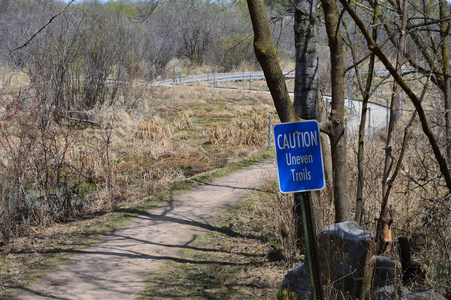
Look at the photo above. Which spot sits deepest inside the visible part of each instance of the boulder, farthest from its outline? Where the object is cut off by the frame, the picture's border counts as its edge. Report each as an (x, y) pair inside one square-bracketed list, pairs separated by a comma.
[(343, 248), (424, 295), (298, 280), (388, 293), (384, 272)]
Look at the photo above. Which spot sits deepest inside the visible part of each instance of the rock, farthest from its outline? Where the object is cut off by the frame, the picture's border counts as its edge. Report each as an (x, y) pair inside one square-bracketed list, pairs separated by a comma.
[(388, 293), (425, 295), (298, 281), (344, 247), (384, 273)]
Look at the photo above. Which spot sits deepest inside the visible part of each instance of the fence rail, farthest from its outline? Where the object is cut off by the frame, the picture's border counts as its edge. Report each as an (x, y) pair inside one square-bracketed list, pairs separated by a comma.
[(378, 112)]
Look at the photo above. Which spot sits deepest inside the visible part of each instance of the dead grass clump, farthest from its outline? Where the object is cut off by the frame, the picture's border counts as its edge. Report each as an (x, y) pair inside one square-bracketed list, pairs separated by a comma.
[(248, 132), (215, 136), (13, 79), (182, 121), (103, 200), (117, 118), (156, 130), (95, 164), (175, 98), (159, 179), (242, 131)]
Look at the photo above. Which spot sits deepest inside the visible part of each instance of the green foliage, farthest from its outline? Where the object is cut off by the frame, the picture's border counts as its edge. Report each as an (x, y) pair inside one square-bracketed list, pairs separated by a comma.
[(286, 294), (125, 8)]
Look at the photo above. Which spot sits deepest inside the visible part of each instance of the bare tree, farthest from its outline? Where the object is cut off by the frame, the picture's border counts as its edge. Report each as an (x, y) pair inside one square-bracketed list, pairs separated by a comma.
[(384, 221), (366, 90), (383, 233), (335, 126), (266, 55)]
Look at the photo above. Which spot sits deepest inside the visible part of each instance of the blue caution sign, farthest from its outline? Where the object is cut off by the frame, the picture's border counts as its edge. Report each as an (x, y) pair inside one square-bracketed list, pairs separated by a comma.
[(299, 156)]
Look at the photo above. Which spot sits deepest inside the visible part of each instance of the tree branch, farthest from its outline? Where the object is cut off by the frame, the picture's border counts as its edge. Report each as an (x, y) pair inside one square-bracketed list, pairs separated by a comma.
[(43, 27), (416, 102), (299, 9)]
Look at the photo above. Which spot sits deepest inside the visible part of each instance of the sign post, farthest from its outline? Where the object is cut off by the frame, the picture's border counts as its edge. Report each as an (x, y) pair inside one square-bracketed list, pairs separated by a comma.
[(300, 170)]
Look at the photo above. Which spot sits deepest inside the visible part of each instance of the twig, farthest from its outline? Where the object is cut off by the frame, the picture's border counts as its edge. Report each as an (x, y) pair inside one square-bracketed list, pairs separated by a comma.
[(81, 173), (299, 9), (43, 27), (82, 120), (364, 7)]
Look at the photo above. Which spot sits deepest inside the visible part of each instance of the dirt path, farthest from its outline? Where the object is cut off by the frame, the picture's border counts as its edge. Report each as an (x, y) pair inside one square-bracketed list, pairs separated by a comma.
[(118, 266)]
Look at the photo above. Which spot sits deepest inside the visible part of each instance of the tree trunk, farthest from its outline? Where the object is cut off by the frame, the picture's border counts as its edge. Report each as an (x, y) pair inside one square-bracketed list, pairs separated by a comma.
[(342, 201), (267, 57), (366, 96), (383, 234), (306, 77), (327, 155), (444, 30), (361, 146)]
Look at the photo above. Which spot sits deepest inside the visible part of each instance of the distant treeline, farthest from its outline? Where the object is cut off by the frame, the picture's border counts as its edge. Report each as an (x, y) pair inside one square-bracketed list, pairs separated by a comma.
[(134, 36)]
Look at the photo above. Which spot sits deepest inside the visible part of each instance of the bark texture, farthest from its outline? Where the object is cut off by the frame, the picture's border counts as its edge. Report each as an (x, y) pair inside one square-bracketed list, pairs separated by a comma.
[(306, 82), (267, 57), (342, 201), (446, 88)]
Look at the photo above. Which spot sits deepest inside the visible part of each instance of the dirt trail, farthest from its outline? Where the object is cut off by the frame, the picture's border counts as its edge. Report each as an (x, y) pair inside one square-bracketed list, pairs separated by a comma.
[(118, 266)]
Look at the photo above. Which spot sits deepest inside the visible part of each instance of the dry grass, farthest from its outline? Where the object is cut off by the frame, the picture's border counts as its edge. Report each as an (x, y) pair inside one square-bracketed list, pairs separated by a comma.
[(421, 205), (174, 133), (161, 139), (132, 151), (12, 80)]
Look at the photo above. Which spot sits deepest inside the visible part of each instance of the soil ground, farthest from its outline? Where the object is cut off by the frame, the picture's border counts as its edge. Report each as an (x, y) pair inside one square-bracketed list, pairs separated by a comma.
[(119, 265)]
